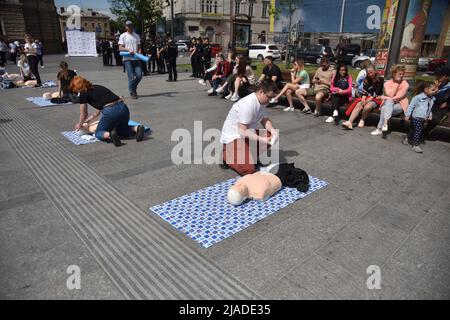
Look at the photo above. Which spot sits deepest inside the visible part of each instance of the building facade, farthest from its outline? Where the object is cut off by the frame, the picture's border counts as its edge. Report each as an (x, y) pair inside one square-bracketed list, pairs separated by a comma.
[(91, 21), (211, 18), (37, 18)]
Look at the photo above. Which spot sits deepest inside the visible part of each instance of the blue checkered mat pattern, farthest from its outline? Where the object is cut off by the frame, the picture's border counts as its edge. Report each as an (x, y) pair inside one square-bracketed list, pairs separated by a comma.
[(76, 139), (41, 102), (208, 218)]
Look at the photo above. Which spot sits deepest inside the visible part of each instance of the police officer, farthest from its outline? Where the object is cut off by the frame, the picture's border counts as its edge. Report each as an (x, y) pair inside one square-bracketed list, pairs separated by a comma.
[(160, 57), (207, 52), (199, 58), (171, 51), (153, 50)]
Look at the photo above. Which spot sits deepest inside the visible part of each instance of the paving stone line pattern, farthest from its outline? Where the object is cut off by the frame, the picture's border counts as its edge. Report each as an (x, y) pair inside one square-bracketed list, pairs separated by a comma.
[(143, 259)]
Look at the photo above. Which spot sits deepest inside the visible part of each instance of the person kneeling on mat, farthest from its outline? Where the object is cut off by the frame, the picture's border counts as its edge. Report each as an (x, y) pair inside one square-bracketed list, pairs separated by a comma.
[(113, 124), (240, 128)]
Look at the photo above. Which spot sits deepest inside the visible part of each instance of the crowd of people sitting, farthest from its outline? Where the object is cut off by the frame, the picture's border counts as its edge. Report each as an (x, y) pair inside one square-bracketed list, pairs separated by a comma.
[(233, 78)]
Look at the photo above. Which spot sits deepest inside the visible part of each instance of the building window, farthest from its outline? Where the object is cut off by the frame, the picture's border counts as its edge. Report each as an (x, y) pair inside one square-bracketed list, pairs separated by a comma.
[(237, 6), (250, 9), (209, 6), (264, 9)]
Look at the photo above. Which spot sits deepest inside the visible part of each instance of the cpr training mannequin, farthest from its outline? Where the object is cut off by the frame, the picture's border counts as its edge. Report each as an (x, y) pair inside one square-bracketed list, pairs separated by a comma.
[(257, 186)]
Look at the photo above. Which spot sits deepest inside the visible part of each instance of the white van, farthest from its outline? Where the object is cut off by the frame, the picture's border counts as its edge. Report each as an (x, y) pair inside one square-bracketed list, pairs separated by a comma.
[(261, 50)]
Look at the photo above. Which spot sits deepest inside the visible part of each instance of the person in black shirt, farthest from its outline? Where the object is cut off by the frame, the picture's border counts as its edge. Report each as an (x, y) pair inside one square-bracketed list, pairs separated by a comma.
[(207, 52), (171, 52), (193, 56), (199, 58), (113, 124), (153, 50), (105, 51), (272, 72), (117, 55), (65, 76), (160, 57)]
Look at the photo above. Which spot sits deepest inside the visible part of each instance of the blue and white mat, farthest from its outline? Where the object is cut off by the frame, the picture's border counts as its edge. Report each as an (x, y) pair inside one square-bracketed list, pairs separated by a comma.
[(80, 139), (41, 102), (208, 218)]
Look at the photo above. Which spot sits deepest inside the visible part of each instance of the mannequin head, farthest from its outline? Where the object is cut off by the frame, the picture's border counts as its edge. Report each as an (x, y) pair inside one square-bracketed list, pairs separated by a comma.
[(237, 194)]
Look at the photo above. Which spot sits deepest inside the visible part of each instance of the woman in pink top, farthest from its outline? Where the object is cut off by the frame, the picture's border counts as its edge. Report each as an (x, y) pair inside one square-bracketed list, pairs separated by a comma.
[(395, 101), (341, 92)]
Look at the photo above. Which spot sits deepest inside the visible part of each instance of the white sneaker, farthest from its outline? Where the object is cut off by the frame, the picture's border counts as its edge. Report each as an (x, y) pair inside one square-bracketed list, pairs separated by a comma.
[(220, 89), (376, 132), (289, 109), (335, 114), (211, 90), (234, 98), (202, 82), (329, 120), (273, 100), (228, 97), (42, 67)]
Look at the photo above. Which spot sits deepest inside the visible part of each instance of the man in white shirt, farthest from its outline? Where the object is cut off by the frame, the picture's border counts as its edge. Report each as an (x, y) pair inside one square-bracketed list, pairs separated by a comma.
[(240, 132), (131, 42)]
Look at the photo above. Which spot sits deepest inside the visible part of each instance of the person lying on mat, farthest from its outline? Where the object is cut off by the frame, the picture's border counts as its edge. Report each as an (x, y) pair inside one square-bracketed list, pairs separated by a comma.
[(113, 124), (240, 128)]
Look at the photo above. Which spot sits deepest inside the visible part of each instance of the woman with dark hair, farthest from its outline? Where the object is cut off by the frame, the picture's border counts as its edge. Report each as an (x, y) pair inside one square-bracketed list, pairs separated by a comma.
[(370, 100), (193, 56), (115, 114), (341, 91), (242, 79), (65, 76), (30, 50)]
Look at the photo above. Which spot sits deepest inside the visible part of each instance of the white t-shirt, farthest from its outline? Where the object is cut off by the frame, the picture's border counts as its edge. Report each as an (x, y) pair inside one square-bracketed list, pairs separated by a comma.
[(30, 46), (130, 41), (246, 111)]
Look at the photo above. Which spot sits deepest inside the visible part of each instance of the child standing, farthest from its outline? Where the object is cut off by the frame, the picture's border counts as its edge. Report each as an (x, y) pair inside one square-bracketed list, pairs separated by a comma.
[(419, 111)]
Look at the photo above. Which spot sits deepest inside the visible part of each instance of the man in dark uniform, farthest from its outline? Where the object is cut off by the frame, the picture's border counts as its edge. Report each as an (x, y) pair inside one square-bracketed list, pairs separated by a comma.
[(105, 49), (160, 57), (153, 49), (117, 55), (199, 60), (207, 52), (171, 51)]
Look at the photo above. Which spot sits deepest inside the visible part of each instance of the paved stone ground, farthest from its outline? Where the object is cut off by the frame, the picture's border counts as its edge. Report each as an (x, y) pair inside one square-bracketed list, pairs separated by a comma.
[(385, 205)]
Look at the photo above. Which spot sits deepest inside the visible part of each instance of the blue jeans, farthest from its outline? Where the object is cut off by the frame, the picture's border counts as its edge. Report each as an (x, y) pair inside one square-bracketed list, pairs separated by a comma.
[(216, 83), (114, 117), (134, 71)]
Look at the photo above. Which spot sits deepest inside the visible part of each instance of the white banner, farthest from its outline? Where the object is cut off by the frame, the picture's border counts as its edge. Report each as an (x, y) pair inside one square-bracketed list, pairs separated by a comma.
[(81, 44)]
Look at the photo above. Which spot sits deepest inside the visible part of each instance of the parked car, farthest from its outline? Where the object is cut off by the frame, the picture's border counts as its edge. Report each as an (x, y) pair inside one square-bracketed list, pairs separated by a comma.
[(435, 64), (313, 54), (347, 53), (215, 49), (422, 65), (367, 55), (182, 47), (261, 50)]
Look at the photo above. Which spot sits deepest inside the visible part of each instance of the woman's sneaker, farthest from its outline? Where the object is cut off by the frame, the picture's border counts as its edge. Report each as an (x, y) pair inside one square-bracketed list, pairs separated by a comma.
[(417, 149), (140, 133), (211, 90), (234, 98), (306, 111), (228, 97), (202, 82), (361, 124), (115, 138), (273, 100), (329, 120), (347, 125), (376, 132), (220, 89), (289, 109)]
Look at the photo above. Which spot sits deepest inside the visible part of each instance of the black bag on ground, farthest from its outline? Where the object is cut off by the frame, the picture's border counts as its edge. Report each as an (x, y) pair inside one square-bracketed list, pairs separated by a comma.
[(293, 177), (59, 100)]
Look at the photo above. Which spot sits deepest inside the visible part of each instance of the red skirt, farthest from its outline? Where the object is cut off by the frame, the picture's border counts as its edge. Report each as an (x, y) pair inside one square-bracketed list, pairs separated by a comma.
[(349, 110)]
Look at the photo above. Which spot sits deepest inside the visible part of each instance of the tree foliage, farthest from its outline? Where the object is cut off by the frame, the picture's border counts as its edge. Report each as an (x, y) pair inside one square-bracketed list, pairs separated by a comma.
[(143, 13)]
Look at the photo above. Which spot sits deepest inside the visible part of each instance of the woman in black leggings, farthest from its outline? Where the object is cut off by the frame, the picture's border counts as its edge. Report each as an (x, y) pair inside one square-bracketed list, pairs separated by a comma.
[(30, 51)]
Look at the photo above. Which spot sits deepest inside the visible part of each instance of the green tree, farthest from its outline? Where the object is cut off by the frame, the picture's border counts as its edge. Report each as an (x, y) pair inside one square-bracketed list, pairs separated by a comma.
[(143, 13)]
